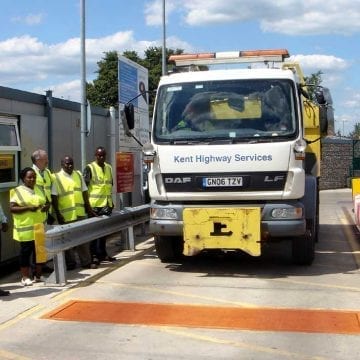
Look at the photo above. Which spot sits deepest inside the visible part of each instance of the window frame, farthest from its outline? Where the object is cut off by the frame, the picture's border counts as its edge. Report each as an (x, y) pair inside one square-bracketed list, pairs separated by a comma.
[(11, 150)]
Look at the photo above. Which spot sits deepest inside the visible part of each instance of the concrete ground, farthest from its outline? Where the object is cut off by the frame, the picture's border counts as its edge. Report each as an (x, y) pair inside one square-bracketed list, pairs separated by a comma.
[(21, 298)]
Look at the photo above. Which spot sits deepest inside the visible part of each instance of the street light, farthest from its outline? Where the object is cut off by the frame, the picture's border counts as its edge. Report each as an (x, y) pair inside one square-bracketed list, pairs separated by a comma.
[(83, 86), (164, 40)]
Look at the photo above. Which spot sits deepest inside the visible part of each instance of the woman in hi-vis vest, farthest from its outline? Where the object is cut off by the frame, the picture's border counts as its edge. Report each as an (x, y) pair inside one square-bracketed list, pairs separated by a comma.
[(27, 206)]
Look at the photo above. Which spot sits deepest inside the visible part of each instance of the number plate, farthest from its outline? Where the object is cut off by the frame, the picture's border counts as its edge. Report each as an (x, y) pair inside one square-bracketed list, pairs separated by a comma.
[(223, 181)]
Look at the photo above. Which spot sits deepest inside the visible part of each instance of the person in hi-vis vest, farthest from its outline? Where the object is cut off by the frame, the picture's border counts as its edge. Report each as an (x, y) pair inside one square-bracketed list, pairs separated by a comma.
[(71, 203), (27, 205), (99, 179), (44, 177), (4, 228)]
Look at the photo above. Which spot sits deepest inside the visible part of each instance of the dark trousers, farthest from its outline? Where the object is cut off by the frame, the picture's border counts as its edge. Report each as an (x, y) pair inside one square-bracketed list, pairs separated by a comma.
[(27, 253), (98, 248)]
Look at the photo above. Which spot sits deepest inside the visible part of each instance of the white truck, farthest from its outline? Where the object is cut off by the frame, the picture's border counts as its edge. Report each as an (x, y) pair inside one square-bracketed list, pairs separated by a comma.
[(235, 155)]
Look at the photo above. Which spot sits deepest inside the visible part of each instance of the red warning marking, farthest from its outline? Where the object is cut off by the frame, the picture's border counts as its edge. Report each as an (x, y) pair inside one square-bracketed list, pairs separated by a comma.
[(264, 319)]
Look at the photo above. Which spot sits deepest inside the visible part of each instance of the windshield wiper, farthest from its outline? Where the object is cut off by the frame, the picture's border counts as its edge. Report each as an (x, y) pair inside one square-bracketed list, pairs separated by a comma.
[(184, 141)]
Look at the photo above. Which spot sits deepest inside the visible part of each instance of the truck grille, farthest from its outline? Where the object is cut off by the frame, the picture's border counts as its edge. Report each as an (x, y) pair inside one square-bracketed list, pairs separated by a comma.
[(254, 181)]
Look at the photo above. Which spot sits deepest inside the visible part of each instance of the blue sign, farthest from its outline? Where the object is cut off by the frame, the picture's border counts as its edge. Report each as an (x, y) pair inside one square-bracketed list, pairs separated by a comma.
[(128, 83)]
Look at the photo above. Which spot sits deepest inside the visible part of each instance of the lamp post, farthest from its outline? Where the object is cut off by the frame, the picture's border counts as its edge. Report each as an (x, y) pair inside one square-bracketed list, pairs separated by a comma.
[(343, 127), (164, 39), (83, 86)]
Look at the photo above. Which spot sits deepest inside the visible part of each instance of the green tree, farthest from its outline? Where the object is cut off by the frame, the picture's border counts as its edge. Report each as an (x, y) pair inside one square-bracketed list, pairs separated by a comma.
[(312, 82), (355, 134), (103, 91)]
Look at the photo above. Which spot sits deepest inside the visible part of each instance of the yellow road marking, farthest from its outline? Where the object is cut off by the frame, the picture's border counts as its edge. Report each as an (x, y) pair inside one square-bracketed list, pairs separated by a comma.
[(240, 344), (11, 356)]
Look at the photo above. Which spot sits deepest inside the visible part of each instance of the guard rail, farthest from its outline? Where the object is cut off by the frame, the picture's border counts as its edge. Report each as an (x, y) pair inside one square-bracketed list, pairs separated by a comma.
[(63, 237)]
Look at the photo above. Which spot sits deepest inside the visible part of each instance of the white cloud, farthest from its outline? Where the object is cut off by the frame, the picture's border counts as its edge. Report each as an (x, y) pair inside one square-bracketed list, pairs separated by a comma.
[(63, 59), (26, 59), (353, 102), (318, 62), (68, 90), (30, 19), (154, 11), (291, 17)]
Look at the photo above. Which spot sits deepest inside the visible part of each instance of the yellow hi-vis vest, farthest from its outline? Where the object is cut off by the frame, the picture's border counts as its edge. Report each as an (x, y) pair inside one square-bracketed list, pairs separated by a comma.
[(70, 197), (44, 182), (24, 222), (100, 187)]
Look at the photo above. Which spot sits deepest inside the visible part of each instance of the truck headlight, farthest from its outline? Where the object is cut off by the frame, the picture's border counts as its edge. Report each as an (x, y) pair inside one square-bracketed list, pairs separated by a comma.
[(163, 213), (287, 213)]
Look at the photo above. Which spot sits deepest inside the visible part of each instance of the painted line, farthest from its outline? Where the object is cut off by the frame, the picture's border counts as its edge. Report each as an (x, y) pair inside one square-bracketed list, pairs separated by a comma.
[(318, 285), (6, 355), (21, 316), (255, 348), (200, 316), (181, 294)]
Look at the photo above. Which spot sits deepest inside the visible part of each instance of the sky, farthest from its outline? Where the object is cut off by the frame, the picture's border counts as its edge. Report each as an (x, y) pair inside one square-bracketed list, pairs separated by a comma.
[(40, 39)]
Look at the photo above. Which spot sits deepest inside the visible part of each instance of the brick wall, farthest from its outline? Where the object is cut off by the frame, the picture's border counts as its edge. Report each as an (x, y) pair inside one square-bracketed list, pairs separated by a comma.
[(336, 163)]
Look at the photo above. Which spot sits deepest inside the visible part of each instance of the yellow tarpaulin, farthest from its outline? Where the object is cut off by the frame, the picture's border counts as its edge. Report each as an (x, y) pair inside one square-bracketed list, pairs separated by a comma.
[(40, 248), (222, 110)]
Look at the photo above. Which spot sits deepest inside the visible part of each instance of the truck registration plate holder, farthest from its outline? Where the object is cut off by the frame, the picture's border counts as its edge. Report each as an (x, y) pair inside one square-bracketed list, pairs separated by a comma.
[(222, 228)]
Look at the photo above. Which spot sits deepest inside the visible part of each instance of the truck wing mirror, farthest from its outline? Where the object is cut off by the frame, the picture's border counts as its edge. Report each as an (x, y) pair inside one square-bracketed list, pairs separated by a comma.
[(323, 96), (129, 115)]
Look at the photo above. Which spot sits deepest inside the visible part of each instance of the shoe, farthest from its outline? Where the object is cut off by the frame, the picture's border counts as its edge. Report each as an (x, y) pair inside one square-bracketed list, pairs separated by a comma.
[(96, 261), (26, 282), (108, 258), (38, 279), (90, 266), (4, 292)]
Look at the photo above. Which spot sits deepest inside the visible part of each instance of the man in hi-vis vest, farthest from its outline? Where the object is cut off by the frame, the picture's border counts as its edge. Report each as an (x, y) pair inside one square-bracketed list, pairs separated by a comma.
[(99, 179), (71, 203), (44, 177)]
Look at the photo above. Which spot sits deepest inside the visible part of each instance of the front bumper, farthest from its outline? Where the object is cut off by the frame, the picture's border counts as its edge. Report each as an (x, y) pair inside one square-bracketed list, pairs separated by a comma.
[(269, 228)]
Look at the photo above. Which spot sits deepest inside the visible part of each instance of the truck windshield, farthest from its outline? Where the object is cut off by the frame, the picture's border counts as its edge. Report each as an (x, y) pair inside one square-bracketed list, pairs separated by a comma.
[(233, 110)]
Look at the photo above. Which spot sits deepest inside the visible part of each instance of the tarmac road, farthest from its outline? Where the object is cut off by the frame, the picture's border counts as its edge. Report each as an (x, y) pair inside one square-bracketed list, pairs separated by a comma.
[(140, 308)]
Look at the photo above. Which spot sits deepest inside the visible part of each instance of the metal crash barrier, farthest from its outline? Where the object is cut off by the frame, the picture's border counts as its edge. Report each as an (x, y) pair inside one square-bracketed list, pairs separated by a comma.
[(63, 237)]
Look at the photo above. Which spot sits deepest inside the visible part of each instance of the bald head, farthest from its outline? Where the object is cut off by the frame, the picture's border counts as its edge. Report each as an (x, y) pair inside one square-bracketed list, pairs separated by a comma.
[(67, 164)]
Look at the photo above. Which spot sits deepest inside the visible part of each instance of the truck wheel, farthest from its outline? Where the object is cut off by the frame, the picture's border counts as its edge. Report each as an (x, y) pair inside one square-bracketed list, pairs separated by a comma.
[(303, 249), (168, 248)]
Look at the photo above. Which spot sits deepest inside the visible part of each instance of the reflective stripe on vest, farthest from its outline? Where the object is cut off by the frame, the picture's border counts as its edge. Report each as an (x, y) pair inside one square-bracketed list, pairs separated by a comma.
[(70, 197), (100, 187), (44, 181)]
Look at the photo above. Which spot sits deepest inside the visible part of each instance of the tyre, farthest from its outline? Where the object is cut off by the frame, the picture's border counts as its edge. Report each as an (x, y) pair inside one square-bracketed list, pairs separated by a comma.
[(168, 248), (303, 249), (312, 225)]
